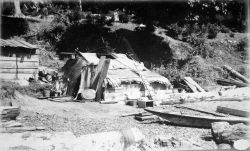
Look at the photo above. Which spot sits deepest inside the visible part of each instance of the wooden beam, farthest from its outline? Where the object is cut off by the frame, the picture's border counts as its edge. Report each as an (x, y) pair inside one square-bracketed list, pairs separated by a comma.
[(232, 111), (143, 118), (19, 71), (103, 75), (198, 110), (190, 81), (32, 58), (24, 64)]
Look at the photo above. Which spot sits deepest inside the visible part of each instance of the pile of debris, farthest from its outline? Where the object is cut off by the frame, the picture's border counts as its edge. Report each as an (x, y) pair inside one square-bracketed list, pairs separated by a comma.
[(8, 123)]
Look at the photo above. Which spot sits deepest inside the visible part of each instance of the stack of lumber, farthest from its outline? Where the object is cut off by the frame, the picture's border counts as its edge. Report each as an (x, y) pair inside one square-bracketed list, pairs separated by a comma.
[(145, 116), (8, 113)]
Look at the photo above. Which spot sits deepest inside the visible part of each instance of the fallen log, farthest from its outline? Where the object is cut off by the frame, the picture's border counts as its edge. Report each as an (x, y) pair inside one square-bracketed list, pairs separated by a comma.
[(232, 111), (237, 74), (230, 82), (8, 113), (223, 132)]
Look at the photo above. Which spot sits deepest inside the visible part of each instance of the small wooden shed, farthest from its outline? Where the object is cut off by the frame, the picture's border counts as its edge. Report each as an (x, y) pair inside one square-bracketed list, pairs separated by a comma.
[(18, 60)]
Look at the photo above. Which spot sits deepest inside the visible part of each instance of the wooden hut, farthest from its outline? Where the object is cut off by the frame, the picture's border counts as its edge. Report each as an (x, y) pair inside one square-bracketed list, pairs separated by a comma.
[(18, 60), (125, 77)]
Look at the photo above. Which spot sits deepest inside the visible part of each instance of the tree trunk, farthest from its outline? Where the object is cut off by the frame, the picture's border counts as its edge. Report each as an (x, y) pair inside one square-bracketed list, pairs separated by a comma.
[(18, 12), (80, 5)]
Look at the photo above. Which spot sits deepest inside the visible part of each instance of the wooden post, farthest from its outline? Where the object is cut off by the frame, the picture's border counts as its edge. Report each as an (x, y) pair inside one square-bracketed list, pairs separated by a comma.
[(98, 70), (103, 75)]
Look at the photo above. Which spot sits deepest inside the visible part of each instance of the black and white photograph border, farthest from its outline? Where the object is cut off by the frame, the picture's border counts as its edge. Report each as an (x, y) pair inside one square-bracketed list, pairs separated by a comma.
[(124, 75)]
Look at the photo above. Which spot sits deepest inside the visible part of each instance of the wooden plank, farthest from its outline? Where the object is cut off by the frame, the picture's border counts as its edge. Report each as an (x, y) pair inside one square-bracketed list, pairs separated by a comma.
[(101, 79), (198, 110), (11, 76), (20, 129), (98, 69), (237, 74), (11, 123), (143, 118), (232, 111), (192, 87), (108, 102), (191, 81), (8, 113), (32, 58), (145, 114), (20, 71), (14, 64)]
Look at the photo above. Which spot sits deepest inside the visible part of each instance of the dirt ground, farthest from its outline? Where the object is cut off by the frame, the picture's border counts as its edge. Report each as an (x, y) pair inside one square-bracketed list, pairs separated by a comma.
[(92, 117)]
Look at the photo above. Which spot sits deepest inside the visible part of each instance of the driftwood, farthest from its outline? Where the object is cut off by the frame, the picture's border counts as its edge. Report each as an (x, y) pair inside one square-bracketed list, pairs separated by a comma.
[(237, 74), (8, 113), (223, 132), (232, 111)]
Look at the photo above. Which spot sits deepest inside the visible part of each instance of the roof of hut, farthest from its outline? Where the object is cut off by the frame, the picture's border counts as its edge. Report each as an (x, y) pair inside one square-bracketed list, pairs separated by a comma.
[(16, 43), (123, 69)]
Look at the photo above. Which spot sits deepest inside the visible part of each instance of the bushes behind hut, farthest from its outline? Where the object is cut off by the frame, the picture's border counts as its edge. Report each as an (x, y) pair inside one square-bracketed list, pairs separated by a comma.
[(34, 89)]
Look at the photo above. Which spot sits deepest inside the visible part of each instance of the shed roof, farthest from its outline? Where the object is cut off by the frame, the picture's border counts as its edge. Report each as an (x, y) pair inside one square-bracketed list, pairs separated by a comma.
[(16, 43)]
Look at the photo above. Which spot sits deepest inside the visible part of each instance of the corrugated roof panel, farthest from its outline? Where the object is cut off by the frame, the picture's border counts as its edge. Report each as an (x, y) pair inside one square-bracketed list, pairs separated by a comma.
[(16, 43)]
